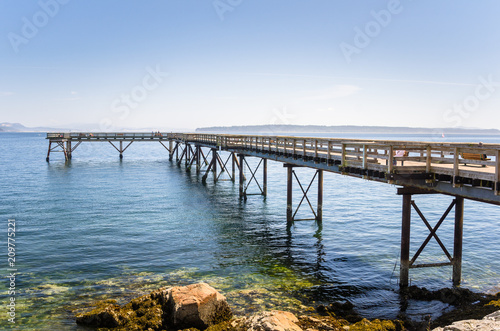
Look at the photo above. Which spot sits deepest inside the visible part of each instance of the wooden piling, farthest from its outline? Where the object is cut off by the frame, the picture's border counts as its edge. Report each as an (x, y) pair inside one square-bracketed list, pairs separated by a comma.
[(242, 177), (264, 180), (319, 213), (289, 190), (405, 242), (458, 240), (171, 149), (214, 165)]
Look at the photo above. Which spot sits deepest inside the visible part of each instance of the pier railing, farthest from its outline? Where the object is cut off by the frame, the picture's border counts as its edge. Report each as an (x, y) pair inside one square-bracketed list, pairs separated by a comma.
[(470, 160)]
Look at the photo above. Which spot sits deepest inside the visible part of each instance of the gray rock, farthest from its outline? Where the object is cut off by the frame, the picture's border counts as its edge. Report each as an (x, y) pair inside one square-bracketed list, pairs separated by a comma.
[(490, 322), (274, 320)]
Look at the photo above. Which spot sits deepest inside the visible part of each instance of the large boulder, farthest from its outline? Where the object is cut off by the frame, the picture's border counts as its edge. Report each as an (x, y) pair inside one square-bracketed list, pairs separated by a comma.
[(194, 306), (197, 305)]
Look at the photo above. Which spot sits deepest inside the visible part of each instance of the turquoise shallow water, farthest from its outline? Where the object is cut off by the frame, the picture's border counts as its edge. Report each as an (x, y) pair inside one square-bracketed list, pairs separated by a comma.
[(100, 228)]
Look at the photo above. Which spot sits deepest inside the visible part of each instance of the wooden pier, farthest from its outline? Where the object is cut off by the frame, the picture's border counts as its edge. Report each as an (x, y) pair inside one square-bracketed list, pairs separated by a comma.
[(460, 170)]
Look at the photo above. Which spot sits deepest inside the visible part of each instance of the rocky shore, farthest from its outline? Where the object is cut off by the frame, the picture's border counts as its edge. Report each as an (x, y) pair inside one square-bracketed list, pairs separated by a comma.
[(201, 307)]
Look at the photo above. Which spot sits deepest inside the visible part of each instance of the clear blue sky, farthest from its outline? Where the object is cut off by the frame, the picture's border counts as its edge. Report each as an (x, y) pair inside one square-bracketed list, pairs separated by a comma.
[(192, 63)]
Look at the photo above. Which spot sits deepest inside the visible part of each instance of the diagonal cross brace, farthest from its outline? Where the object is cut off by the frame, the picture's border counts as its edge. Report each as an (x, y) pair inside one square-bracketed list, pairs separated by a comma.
[(432, 231), (305, 194), (223, 166), (253, 176)]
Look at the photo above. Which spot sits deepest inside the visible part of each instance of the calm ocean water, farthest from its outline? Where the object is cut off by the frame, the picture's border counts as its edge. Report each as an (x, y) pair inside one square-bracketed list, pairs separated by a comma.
[(101, 228)]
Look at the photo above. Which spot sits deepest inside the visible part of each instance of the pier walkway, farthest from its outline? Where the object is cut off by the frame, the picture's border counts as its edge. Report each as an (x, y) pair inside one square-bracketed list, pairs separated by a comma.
[(460, 170)]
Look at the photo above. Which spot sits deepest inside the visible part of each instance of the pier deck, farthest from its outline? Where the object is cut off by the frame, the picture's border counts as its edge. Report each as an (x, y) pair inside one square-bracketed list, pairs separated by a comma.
[(429, 166)]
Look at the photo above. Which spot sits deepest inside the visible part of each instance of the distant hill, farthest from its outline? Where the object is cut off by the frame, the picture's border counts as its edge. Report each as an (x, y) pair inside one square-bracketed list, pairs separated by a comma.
[(12, 127), (282, 128), (18, 127)]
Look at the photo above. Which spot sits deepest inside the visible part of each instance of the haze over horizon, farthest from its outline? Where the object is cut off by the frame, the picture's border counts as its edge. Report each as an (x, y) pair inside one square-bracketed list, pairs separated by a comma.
[(190, 64)]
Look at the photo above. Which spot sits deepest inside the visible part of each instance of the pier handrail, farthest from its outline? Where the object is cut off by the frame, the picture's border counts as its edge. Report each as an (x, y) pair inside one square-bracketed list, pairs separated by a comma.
[(375, 155)]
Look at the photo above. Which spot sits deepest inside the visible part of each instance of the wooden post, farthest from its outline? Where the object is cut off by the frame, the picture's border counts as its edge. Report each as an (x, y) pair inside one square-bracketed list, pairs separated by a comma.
[(121, 149), (343, 158), (405, 242), (319, 214), (198, 156), (264, 180), (214, 158), (289, 186), (242, 178), (365, 157), (428, 160), (457, 246), (497, 171), (233, 167), (50, 145), (68, 150), (456, 168), (171, 149), (390, 166)]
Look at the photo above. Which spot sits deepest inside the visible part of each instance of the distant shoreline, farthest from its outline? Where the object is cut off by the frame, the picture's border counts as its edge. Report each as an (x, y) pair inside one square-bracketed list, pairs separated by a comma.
[(344, 129)]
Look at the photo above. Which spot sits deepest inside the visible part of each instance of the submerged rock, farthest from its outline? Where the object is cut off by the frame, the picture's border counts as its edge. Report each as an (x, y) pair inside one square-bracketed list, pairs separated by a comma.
[(274, 320), (108, 316), (452, 296), (344, 310), (377, 325)]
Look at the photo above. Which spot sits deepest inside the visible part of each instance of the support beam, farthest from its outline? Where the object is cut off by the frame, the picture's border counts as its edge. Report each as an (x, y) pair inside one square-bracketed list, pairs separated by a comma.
[(214, 164), (455, 260), (120, 149), (48, 152), (457, 246), (171, 149), (289, 191), (233, 165), (198, 158), (68, 150), (242, 176), (319, 214), (290, 212), (264, 180), (405, 242)]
